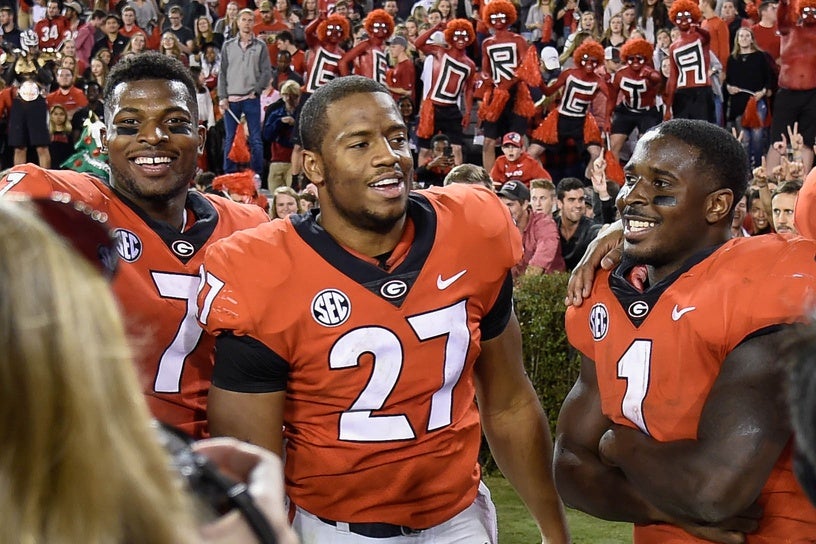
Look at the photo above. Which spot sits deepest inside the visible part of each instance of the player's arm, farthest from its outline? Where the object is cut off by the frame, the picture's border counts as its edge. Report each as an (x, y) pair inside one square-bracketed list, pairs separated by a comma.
[(517, 430), (743, 430), (247, 397), (583, 480)]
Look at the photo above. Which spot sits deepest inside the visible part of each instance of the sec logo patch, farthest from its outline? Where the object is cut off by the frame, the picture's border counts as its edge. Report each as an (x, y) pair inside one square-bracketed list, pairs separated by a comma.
[(598, 322), (331, 307)]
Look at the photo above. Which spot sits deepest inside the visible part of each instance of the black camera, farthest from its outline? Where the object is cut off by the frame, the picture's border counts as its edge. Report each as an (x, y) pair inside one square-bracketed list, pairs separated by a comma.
[(216, 493)]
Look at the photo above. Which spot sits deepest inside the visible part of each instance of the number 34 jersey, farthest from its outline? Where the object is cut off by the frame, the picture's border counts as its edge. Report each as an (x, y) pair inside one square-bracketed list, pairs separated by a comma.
[(658, 353), (155, 284), (380, 419)]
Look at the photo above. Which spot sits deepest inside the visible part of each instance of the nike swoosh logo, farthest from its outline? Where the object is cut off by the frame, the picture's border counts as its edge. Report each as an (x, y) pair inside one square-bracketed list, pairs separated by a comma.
[(443, 284), (677, 313)]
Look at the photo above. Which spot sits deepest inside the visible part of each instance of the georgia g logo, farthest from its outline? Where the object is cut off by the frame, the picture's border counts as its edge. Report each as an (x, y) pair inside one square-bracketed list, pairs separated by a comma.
[(331, 307), (598, 322)]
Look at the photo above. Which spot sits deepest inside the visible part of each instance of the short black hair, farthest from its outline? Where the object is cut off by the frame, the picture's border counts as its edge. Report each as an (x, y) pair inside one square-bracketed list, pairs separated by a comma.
[(720, 155), (150, 65), (566, 185), (440, 138), (286, 36), (313, 116)]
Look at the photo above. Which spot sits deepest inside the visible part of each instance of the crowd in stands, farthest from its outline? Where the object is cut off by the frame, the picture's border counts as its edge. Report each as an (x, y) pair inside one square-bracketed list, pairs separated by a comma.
[(551, 86)]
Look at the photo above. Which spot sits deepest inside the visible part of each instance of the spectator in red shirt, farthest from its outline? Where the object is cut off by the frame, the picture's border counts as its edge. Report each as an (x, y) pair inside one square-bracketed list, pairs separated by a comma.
[(516, 163), (766, 30), (67, 95), (53, 29), (718, 31), (401, 79), (539, 233)]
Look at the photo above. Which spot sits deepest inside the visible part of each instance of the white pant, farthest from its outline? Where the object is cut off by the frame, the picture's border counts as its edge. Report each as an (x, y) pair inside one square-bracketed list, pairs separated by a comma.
[(476, 524)]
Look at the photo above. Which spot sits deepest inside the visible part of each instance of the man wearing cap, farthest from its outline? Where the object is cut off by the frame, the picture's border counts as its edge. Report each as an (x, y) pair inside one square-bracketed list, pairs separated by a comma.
[(401, 79), (53, 29), (539, 233), (72, 11), (185, 35), (550, 63), (516, 163), (268, 27), (766, 31)]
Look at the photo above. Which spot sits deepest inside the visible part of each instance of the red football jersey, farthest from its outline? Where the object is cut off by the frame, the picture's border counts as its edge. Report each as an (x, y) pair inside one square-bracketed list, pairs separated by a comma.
[(658, 353), (52, 32), (380, 419), (156, 285)]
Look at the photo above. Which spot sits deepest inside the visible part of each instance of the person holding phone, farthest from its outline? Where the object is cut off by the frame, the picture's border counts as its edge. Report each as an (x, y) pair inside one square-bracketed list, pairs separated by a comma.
[(434, 171)]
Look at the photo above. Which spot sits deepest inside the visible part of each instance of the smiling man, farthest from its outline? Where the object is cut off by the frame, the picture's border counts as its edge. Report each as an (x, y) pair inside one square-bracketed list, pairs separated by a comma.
[(370, 365), (153, 142), (677, 422)]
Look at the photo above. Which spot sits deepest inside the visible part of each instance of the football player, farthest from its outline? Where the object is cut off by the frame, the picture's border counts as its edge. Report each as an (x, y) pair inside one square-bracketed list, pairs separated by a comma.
[(153, 140), (678, 422), (371, 364)]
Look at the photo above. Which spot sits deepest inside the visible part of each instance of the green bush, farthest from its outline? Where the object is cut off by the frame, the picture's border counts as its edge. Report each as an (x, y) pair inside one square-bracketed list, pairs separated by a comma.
[(550, 361)]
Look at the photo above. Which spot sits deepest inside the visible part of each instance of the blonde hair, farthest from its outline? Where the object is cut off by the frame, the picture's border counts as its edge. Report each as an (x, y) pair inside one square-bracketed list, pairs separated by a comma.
[(79, 462), (284, 190), (175, 48)]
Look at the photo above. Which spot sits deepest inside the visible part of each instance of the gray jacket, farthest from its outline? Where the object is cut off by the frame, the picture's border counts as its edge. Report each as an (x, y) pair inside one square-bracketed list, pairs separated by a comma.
[(243, 71)]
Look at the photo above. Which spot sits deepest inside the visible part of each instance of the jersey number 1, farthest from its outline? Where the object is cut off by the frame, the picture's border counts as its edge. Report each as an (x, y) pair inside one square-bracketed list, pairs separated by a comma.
[(634, 366)]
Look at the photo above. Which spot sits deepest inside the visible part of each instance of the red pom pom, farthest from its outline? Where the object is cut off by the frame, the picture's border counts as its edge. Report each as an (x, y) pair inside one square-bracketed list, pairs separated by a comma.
[(524, 106), (494, 107), (547, 131), (529, 70), (426, 119)]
